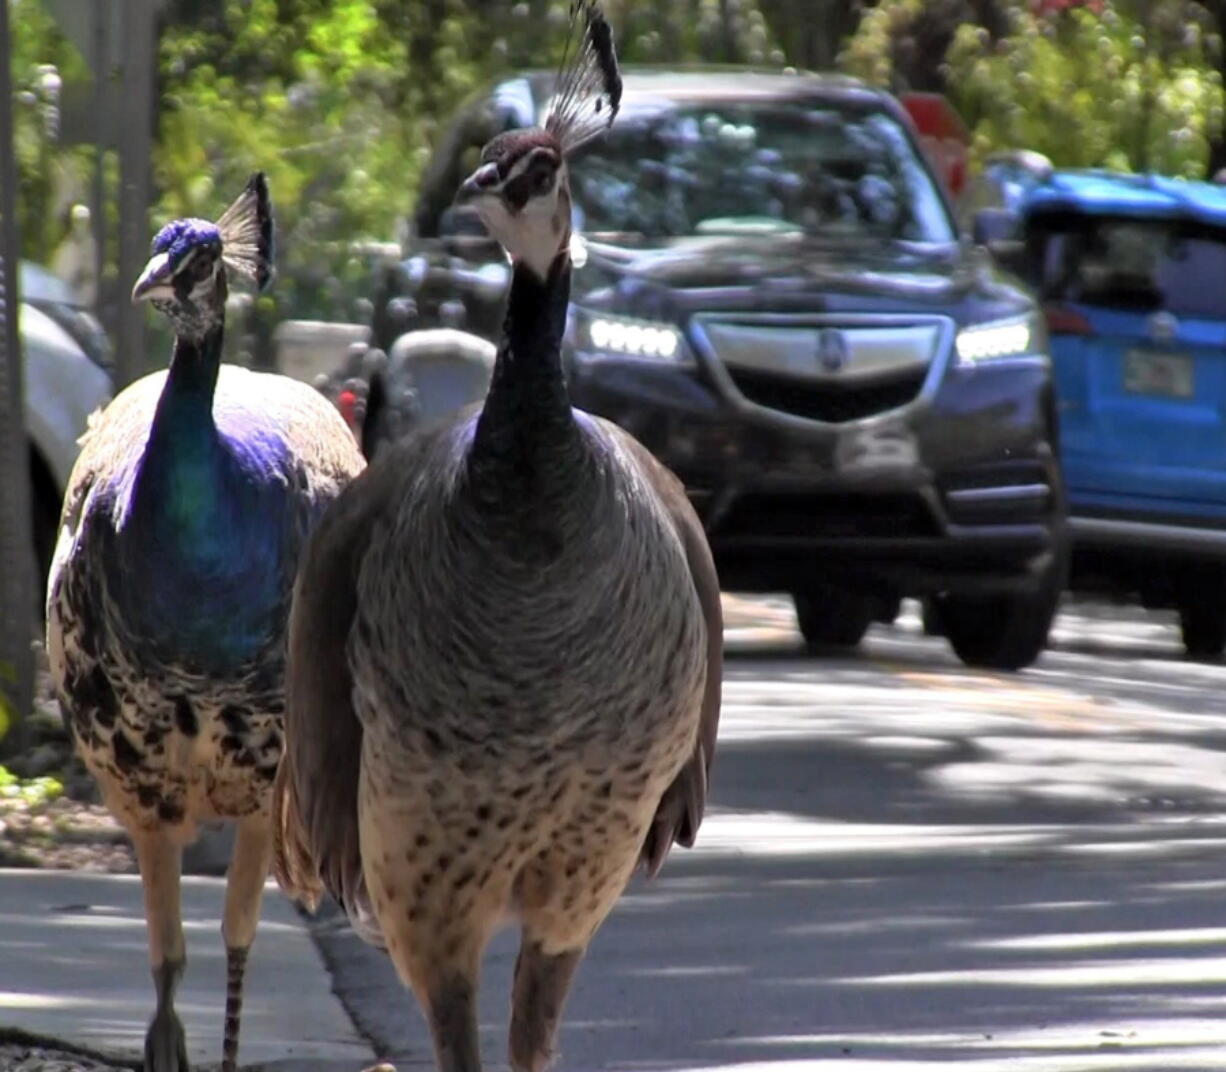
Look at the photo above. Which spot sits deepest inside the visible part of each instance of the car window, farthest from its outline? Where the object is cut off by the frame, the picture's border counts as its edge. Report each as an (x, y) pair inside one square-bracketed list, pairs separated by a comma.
[(1137, 265), (727, 167)]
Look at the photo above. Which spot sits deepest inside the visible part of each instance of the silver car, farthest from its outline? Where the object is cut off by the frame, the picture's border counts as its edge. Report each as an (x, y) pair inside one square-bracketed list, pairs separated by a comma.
[(67, 377)]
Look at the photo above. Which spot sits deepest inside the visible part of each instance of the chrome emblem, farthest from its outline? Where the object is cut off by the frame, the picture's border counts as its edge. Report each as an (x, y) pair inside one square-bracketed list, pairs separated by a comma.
[(831, 349)]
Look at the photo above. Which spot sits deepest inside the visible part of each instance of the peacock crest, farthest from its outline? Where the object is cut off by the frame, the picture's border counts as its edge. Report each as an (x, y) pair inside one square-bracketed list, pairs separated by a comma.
[(588, 89)]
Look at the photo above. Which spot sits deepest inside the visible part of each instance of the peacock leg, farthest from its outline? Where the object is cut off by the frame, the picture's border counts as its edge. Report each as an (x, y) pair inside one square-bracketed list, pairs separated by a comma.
[(244, 891), (160, 859)]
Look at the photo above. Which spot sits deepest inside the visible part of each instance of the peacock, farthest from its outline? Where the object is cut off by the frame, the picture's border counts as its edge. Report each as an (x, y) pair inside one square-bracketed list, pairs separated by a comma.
[(505, 647), (168, 597)]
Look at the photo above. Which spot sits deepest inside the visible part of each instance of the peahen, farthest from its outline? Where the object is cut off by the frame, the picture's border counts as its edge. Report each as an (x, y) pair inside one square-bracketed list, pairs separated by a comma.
[(168, 598), (505, 648)]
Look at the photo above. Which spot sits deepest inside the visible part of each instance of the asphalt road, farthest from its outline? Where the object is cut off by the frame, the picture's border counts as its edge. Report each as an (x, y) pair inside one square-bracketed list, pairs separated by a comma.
[(908, 863)]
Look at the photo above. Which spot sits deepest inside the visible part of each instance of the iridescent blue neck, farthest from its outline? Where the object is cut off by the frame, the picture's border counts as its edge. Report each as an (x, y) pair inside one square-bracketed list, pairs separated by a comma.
[(207, 522), (181, 473), (192, 379)]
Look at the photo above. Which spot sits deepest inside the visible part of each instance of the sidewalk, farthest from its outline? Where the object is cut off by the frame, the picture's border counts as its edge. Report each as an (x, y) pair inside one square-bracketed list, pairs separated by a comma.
[(74, 965)]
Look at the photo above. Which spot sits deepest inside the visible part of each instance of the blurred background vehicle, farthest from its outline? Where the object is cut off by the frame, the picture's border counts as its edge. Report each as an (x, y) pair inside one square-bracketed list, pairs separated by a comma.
[(1130, 271), (772, 294), (67, 377)]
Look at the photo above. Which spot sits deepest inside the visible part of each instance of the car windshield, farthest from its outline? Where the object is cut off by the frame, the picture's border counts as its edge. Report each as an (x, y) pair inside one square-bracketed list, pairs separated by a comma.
[(1129, 265), (747, 168)]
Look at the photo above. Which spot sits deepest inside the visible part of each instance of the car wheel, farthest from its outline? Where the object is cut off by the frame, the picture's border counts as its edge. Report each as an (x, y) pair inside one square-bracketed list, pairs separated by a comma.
[(831, 617), (1003, 632), (44, 523), (1202, 618), (887, 609), (930, 617)]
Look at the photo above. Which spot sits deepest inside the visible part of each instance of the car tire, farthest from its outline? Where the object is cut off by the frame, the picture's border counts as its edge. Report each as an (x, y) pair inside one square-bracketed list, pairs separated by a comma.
[(44, 524), (832, 617), (1202, 619), (1003, 632), (930, 617)]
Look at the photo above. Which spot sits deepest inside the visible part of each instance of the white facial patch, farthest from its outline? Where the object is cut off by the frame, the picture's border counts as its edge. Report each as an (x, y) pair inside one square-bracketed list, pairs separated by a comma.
[(534, 234)]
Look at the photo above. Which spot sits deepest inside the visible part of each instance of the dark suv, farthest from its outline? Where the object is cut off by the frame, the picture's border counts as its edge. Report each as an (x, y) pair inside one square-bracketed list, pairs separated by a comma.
[(770, 292)]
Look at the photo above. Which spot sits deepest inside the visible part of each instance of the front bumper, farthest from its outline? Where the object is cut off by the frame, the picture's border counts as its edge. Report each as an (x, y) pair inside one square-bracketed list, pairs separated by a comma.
[(956, 489), (1158, 539)]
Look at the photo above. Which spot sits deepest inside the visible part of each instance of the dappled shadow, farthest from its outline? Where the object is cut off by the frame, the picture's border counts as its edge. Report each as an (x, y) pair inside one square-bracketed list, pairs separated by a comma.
[(1043, 953), (74, 965), (909, 863)]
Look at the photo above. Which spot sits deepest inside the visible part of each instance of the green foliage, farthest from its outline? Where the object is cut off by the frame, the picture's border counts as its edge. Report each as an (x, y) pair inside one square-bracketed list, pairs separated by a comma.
[(8, 682), (1135, 87), (32, 791), (341, 101), (307, 92)]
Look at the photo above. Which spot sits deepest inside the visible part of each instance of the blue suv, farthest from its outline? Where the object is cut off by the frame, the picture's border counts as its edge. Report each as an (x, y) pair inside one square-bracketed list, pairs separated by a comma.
[(1131, 273)]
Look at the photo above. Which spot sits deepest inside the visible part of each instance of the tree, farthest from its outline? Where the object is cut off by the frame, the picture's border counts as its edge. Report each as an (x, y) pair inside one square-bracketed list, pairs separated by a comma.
[(1215, 12), (341, 100), (811, 32), (1087, 82)]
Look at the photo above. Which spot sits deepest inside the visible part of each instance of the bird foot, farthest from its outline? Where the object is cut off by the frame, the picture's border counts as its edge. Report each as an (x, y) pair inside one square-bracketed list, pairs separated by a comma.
[(382, 1066), (166, 1044)]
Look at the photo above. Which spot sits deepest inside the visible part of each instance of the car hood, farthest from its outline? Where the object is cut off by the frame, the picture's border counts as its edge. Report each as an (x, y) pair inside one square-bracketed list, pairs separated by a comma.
[(38, 284), (788, 273)]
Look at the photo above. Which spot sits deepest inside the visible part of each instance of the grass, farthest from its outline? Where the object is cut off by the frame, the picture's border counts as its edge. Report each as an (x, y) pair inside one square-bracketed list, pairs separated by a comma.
[(33, 791)]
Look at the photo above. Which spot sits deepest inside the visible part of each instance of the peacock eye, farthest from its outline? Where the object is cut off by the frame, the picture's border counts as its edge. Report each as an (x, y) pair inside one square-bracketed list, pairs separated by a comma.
[(202, 267), (542, 180)]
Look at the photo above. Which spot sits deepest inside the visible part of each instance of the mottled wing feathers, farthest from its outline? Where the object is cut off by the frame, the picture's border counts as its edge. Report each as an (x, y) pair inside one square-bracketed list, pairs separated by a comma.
[(681, 808), (315, 796), (589, 87), (319, 442), (112, 443), (246, 229), (316, 434)]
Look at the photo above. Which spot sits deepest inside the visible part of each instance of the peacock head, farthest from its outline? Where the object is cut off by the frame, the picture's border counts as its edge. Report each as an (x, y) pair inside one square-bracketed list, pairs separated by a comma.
[(186, 278), (520, 190)]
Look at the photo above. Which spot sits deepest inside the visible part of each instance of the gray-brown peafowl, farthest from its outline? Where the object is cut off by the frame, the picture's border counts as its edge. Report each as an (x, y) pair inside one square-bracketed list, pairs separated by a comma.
[(169, 592), (505, 648)]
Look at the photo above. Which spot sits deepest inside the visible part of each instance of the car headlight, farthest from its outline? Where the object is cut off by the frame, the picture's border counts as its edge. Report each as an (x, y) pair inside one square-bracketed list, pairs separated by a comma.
[(648, 339), (999, 338)]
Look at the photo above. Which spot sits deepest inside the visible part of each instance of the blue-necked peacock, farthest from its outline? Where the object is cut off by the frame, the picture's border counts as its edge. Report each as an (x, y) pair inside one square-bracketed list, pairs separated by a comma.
[(169, 591)]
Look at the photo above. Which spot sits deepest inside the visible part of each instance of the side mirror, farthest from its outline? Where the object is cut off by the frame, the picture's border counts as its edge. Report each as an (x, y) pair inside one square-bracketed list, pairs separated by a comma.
[(998, 230), (994, 225)]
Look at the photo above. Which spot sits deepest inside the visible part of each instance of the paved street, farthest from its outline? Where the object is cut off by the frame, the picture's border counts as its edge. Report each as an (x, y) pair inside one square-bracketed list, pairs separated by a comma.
[(907, 864), (910, 863), (74, 965)]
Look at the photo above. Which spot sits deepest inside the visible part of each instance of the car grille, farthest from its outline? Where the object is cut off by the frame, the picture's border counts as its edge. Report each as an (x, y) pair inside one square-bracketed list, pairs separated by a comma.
[(827, 515), (826, 368), (831, 402)]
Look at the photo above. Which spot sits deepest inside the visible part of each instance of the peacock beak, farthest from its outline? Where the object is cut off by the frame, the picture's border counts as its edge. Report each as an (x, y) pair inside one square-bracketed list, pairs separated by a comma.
[(480, 183), (155, 281)]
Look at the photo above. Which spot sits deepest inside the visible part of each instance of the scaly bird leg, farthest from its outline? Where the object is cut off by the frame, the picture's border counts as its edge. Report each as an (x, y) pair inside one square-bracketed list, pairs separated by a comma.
[(244, 891), (542, 981), (159, 859)]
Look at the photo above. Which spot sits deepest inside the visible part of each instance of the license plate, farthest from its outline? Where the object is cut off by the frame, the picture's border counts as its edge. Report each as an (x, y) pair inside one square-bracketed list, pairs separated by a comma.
[(1151, 372)]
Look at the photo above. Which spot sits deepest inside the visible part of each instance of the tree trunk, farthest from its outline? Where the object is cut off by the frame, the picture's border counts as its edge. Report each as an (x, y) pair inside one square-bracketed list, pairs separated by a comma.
[(811, 32), (1217, 142)]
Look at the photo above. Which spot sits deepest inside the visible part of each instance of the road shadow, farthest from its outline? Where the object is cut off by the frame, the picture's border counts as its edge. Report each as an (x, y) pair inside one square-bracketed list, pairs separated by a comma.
[(907, 863), (848, 903)]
